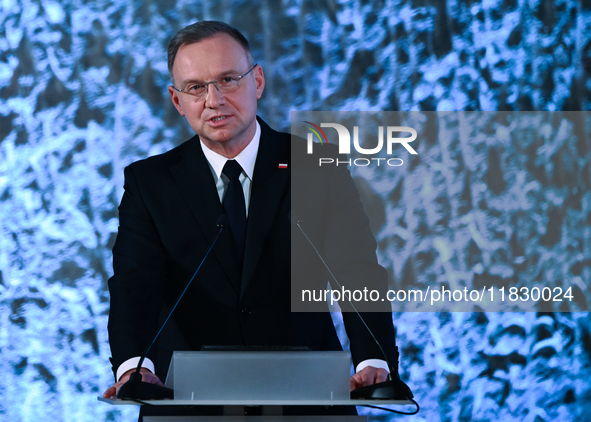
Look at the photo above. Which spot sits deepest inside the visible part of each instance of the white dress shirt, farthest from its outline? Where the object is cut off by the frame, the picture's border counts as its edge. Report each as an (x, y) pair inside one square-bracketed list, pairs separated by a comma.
[(246, 159)]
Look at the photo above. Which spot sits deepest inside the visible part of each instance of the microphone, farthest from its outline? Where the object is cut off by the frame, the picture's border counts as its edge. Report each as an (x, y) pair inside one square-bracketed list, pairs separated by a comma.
[(394, 388), (134, 388)]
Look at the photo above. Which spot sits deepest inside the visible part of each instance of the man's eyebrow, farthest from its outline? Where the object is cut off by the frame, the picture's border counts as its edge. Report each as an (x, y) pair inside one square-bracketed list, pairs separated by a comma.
[(229, 72), (191, 81), (221, 75)]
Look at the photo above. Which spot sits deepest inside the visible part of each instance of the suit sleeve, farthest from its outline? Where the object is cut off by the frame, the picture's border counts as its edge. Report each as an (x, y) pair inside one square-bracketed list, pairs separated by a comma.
[(137, 284), (351, 249), (336, 222)]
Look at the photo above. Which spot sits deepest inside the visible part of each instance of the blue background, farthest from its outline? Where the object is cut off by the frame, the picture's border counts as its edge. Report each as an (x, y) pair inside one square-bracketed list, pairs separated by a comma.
[(83, 94)]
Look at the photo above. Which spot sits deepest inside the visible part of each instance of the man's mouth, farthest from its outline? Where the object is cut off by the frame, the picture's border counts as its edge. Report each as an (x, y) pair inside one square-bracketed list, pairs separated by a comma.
[(217, 119)]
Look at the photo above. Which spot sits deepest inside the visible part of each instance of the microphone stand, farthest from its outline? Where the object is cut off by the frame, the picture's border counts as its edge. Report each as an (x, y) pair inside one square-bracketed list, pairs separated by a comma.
[(135, 389), (392, 389)]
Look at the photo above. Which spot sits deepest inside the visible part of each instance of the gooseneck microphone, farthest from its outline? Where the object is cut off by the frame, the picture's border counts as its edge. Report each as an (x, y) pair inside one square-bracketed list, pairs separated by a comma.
[(134, 388), (394, 388)]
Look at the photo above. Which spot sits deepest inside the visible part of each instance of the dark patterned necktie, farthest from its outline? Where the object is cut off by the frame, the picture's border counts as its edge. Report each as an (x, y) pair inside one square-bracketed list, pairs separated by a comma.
[(235, 206)]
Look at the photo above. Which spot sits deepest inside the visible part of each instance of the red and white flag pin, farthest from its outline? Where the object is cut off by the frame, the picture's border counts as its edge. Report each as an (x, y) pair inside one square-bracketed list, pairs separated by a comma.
[(282, 166)]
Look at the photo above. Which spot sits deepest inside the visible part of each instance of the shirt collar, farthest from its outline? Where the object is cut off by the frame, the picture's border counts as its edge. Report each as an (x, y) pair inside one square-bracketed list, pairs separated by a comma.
[(246, 158)]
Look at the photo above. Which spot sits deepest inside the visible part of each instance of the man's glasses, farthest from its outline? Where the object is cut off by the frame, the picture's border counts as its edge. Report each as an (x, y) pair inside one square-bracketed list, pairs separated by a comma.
[(224, 85)]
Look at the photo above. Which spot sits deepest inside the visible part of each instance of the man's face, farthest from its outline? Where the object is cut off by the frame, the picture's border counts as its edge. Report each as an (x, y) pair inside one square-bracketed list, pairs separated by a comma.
[(224, 122)]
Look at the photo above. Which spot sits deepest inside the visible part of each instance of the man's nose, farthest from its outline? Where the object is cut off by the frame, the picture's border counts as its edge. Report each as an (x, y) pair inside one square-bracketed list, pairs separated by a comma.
[(214, 96)]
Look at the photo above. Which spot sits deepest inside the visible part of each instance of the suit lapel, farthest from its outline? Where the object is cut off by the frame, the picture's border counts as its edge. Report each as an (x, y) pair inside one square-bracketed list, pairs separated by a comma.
[(270, 185), (193, 176)]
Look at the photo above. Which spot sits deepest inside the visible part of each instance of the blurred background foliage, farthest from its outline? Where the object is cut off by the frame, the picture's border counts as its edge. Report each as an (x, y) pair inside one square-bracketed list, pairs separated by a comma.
[(83, 94)]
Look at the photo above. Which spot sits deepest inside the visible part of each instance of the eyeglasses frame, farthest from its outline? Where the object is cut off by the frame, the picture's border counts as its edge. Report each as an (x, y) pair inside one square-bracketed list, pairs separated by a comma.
[(206, 84)]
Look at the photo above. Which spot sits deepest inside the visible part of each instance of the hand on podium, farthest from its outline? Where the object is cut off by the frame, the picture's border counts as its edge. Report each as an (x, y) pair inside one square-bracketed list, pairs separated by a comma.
[(368, 376), (147, 376)]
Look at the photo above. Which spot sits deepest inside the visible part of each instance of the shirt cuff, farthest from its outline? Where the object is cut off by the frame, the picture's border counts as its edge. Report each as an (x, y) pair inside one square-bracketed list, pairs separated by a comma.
[(376, 363), (132, 364)]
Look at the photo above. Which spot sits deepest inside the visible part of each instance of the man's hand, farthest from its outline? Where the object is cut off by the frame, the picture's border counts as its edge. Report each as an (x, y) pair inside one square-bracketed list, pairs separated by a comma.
[(368, 376), (147, 376)]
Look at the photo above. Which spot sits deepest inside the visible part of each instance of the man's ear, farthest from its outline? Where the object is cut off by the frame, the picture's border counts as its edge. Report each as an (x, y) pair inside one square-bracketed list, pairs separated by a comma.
[(259, 78), (174, 96)]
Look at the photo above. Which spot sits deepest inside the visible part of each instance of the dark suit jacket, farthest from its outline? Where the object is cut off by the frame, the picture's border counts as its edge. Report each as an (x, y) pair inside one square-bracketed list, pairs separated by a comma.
[(168, 220)]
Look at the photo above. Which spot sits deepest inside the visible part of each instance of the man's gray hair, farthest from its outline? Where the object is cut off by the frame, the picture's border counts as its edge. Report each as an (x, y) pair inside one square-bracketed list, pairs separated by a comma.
[(203, 30)]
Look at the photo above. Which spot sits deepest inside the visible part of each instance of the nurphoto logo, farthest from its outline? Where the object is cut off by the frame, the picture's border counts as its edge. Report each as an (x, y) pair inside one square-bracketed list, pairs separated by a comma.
[(345, 144)]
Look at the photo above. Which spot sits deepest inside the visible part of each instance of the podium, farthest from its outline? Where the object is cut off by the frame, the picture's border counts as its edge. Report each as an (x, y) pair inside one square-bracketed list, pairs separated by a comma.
[(268, 380)]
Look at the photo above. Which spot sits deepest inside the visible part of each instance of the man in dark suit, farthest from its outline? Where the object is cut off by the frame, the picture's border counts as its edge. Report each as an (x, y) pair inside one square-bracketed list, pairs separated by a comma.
[(168, 214)]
